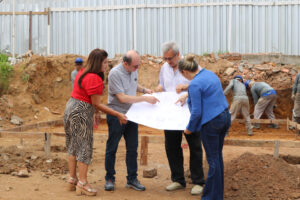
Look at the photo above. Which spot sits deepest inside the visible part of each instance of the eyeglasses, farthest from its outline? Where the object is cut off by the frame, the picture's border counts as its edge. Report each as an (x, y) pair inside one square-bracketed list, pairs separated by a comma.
[(135, 66), (169, 58)]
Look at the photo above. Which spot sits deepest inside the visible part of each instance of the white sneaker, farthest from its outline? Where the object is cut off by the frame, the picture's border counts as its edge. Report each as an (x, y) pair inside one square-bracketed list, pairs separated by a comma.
[(174, 186), (197, 190)]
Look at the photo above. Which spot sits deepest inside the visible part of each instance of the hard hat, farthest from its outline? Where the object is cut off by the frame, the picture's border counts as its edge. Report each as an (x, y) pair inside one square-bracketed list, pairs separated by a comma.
[(78, 60), (247, 82), (239, 77)]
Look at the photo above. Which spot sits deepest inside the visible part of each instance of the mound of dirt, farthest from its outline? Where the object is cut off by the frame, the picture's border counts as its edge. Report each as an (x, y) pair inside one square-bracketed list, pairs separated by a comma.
[(261, 177), (12, 159), (41, 85)]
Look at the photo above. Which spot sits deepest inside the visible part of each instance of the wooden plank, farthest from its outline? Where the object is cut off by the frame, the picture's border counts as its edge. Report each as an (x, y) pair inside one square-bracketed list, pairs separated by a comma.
[(144, 150), (24, 13), (37, 125), (261, 143), (17, 134), (294, 124), (261, 121), (264, 121), (159, 139), (249, 143), (276, 149), (47, 144)]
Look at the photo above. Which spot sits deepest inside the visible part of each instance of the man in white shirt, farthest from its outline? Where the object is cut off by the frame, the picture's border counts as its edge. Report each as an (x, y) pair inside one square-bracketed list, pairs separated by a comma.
[(171, 80)]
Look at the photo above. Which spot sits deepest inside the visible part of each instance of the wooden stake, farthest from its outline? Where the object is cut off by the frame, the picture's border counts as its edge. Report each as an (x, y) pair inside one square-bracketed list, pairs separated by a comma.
[(144, 150), (47, 144), (30, 30), (276, 149)]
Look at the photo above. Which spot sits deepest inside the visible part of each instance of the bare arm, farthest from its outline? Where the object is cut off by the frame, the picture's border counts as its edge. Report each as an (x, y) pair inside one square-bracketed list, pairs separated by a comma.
[(144, 90), (228, 88), (96, 101), (123, 98), (181, 87)]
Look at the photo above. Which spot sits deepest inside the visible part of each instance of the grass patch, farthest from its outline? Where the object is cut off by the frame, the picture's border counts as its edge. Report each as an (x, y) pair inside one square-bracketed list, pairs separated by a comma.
[(223, 52), (5, 72), (205, 54)]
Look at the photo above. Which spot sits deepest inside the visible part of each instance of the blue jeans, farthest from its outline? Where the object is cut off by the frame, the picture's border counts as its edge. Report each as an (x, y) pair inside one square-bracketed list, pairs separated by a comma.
[(212, 136), (115, 132)]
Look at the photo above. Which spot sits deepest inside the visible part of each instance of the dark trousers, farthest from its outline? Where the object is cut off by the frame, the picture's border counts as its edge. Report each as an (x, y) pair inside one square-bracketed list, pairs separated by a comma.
[(115, 132), (212, 135), (174, 152)]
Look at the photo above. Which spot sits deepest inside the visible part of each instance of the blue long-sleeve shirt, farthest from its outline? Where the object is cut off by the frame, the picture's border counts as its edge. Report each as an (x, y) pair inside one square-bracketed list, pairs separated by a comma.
[(206, 99)]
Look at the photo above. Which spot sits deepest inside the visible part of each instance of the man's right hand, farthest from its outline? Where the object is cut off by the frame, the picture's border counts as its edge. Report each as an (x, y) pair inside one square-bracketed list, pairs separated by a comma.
[(122, 118), (151, 99)]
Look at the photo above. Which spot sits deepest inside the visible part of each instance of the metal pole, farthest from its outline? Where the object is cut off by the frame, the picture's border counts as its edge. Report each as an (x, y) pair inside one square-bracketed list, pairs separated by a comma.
[(49, 36), (134, 27), (13, 32), (229, 27)]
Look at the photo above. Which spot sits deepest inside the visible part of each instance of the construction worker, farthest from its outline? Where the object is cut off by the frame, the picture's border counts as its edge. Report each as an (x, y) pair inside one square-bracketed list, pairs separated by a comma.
[(240, 101), (296, 98), (78, 65), (264, 98)]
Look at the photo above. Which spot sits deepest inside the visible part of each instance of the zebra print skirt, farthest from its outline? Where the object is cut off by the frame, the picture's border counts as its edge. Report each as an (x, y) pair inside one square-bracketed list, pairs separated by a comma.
[(78, 124)]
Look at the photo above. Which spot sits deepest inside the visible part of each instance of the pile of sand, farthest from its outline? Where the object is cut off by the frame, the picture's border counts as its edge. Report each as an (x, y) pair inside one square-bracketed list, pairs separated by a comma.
[(261, 177)]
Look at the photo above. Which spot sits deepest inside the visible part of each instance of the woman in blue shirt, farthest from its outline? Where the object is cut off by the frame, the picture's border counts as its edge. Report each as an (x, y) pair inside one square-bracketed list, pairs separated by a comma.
[(210, 117)]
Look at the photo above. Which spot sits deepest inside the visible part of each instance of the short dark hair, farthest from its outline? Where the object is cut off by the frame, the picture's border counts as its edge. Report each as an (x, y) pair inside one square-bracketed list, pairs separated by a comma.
[(127, 59)]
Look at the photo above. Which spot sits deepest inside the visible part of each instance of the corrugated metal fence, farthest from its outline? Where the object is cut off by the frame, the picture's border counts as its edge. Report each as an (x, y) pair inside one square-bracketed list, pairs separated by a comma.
[(244, 26)]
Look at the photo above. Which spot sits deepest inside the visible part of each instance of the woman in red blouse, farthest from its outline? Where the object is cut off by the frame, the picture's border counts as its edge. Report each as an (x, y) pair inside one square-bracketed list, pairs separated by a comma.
[(78, 119)]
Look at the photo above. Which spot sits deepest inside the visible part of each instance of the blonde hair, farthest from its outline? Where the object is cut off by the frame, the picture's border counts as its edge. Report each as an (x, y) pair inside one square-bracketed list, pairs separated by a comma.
[(188, 63)]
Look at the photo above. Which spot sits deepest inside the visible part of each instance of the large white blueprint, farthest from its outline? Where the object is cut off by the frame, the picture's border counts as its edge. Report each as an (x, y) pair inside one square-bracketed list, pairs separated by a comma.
[(165, 115)]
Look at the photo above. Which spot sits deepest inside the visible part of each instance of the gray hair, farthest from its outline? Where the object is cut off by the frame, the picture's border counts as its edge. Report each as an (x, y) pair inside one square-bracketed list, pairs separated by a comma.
[(170, 45)]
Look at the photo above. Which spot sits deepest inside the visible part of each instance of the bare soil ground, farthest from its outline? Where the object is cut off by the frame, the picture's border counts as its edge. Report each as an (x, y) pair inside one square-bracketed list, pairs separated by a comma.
[(254, 175)]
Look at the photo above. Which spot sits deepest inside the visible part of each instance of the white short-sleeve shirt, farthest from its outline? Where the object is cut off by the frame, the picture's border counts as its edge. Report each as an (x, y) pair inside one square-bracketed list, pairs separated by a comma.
[(169, 79)]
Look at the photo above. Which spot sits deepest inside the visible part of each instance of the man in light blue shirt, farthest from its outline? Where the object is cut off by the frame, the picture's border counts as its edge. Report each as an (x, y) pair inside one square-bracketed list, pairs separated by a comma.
[(78, 65), (264, 99), (171, 80), (296, 99)]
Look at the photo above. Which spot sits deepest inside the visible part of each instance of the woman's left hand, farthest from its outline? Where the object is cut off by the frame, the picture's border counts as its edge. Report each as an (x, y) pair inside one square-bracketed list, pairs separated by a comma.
[(97, 118), (187, 132), (182, 99)]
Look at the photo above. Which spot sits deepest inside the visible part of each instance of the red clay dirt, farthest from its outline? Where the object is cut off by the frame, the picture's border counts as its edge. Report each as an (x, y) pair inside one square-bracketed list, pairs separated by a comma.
[(44, 95)]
